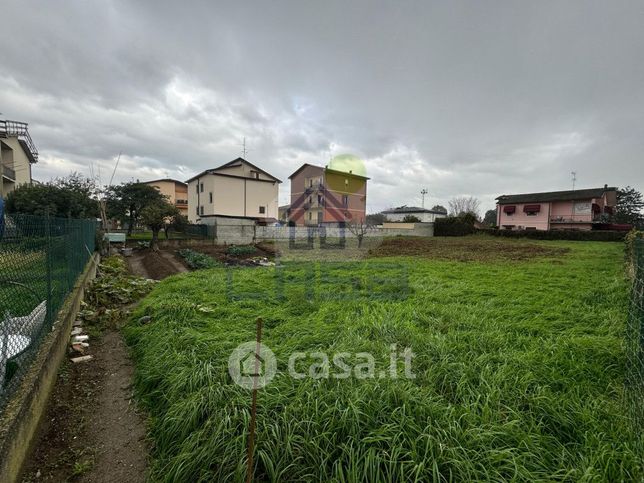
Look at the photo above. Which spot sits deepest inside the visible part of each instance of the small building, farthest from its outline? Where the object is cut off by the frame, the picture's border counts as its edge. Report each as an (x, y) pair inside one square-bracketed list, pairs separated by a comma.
[(324, 196), (175, 190), (17, 153), (235, 189), (423, 214), (584, 209)]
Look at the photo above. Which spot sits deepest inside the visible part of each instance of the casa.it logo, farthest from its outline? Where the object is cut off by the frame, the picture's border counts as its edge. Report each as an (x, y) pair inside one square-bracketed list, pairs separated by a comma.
[(252, 365)]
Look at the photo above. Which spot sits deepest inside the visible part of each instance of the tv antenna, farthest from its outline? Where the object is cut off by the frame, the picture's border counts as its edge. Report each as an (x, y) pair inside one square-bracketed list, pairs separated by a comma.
[(244, 148), (574, 179), (424, 192)]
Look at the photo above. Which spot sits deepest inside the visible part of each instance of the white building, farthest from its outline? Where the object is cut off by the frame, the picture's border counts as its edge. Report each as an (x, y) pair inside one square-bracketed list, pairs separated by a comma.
[(17, 154), (423, 214), (236, 189)]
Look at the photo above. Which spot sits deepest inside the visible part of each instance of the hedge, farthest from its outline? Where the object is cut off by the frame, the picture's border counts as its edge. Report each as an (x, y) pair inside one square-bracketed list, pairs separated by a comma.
[(453, 226), (599, 235)]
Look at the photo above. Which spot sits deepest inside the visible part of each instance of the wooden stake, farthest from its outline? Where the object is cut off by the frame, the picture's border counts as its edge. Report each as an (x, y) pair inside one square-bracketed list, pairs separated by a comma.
[(253, 407)]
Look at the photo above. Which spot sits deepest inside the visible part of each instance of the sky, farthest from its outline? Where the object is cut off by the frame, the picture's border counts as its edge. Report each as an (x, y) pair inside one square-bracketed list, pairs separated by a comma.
[(459, 98)]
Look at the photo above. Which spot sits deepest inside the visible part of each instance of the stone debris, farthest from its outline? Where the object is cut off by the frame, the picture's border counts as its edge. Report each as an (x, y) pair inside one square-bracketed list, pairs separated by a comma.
[(80, 338), (78, 323), (145, 319), (77, 331), (80, 347), (76, 360)]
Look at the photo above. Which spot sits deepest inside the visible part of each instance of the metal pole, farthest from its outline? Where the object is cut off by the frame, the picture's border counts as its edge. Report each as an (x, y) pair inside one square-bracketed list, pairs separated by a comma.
[(253, 408)]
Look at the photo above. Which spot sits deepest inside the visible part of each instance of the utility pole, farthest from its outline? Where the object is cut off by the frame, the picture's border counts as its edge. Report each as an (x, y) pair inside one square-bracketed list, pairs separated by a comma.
[(574, 179), (424, 192)]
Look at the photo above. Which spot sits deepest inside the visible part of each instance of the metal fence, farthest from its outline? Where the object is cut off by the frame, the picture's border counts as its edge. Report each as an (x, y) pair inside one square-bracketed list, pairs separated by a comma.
[(40, 260), (635, 337)]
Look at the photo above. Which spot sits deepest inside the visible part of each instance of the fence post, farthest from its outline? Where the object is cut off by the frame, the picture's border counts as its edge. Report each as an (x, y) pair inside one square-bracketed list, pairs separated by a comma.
[(48, 262)]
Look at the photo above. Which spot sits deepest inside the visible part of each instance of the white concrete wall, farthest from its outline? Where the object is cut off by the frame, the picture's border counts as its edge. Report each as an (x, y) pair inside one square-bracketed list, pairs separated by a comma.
[(423, 217), (239, 232)]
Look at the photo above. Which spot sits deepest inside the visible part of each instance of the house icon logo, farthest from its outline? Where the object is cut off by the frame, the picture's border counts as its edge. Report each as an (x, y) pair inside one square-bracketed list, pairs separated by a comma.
[(252, 368)]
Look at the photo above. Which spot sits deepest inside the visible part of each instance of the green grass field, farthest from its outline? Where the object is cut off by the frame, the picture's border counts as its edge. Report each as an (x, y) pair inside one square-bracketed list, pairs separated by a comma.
[(519, 368)]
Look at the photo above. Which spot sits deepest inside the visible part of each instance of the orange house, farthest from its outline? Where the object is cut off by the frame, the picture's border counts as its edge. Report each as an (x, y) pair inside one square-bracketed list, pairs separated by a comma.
[(323, 196)]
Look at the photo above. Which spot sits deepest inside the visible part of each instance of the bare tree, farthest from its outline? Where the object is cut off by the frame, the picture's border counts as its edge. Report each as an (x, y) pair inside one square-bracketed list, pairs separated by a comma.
[(464, 204), (359, 228)]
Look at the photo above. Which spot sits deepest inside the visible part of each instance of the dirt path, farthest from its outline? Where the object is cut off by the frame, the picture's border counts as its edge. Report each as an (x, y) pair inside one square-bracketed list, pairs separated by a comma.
[(92, 431)]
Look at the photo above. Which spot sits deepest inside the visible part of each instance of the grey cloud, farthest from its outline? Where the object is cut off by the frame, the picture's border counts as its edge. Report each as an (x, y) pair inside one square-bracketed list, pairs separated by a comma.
[(460, 97)]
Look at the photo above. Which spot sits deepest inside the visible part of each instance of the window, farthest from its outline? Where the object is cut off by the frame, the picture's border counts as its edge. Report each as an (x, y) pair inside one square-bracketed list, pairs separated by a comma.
[(201, 209), (210, 196), (197, 210), (532, 210), (345, 200), (201, 187), (262, 210), (310, 183), (197, 188), (309, 215)]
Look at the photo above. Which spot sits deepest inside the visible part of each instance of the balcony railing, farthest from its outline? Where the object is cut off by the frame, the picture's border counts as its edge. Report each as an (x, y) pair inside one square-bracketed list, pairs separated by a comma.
[(19, 129), (181, 202), (7, 172)]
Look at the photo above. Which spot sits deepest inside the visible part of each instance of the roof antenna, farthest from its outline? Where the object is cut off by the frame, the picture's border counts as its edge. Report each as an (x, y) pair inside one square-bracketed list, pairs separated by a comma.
[(424, 192), (574, 179), (244, 148)]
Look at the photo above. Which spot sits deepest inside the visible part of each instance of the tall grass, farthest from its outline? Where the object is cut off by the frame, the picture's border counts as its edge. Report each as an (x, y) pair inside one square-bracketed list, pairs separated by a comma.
[(519, 371)]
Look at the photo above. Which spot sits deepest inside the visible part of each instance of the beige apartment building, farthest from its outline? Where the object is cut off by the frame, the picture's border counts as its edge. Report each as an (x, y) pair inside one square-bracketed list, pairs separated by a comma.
[(17, 154), (236, 189), (176, 191)]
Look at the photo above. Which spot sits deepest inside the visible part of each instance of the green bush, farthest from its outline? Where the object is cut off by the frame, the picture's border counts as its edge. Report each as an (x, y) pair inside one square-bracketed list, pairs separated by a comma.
[(197, 260), (578, 235), (454, 225), (237, 251)]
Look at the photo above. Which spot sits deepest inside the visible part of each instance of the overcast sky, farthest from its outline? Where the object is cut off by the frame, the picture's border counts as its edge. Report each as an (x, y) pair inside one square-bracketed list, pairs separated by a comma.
[(461, 98)]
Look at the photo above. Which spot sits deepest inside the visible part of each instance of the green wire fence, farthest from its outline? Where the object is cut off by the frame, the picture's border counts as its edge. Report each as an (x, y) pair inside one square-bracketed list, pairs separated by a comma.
[(40, 260), (635, 337)]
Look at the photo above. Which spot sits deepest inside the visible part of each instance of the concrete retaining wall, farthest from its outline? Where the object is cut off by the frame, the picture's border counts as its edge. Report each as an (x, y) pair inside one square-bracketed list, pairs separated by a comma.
[(22, 415), (241, 234)]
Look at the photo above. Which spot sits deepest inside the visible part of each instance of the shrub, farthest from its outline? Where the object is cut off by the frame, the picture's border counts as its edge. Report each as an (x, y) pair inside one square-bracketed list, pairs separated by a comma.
[(411, 219), (578, 235), (197, 260), (237, 251), (454, 225)]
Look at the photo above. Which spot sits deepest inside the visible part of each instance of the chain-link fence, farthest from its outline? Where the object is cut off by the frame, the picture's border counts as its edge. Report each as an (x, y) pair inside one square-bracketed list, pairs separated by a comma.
[(635, 337), (40, 260)]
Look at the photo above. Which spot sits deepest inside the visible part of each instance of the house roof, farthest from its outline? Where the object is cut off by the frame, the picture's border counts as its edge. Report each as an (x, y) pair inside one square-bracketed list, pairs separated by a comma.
[(170, 180), (568, 195), (304, 166), (231, 164), (412, 209), (326, 169)]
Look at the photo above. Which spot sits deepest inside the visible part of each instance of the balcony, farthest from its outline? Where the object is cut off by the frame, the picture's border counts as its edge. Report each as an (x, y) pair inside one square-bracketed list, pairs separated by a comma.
[(8, 173), (181, 202), (19, 129)]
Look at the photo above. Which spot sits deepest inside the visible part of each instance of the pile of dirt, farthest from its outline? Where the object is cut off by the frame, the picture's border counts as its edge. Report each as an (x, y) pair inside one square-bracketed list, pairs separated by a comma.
[(156, 265), (465, 249)]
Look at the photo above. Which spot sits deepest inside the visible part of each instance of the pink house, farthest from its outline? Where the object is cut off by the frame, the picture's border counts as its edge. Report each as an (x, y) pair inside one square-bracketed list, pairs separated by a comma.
[(556, 210)]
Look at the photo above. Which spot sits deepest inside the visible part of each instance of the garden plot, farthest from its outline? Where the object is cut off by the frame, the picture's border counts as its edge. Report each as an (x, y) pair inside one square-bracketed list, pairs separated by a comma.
[(518, 368)]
